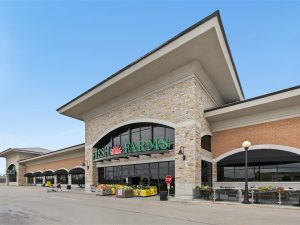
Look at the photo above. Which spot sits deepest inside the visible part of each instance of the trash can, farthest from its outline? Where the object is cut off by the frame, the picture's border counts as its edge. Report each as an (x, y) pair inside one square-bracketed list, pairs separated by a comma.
[(68, 187), (163, 195)]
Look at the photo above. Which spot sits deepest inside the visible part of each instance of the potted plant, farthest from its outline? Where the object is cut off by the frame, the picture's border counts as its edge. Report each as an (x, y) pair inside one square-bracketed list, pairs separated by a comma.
[(196, 192), (103, 190), (266, 194), (202, 192)]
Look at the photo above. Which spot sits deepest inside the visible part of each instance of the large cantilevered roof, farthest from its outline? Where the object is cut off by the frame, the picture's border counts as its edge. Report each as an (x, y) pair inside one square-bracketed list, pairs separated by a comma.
[(204, 42)]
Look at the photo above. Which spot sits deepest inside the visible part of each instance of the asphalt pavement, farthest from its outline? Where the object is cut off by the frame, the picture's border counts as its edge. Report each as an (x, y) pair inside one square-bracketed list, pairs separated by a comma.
[(33, 205)]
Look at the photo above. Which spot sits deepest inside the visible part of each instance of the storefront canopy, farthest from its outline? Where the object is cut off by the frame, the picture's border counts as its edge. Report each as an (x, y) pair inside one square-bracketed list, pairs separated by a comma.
[(77, 171), (28, 175), (37, 174), (48, 173), (61, 172)]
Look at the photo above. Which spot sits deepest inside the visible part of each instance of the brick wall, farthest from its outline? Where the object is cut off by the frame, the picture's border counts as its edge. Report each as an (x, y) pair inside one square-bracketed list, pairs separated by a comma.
[(282, 132)]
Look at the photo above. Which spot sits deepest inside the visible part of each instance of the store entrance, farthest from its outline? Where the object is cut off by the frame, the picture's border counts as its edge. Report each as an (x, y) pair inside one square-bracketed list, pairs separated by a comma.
[(144, 174), (134, 181)]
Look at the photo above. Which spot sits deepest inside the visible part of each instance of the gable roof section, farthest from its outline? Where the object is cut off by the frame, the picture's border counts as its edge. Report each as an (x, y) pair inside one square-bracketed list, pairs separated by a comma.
[(233, 86), (34, 151), (52, 153), (282, 99)]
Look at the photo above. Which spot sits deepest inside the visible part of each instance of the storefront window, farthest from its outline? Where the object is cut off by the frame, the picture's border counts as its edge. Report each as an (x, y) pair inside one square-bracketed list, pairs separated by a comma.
[(49, 178), (11, 173), (268, 173), (124, 139), (146, 133), (154, 174), (62, 178), (142, 171), (39, 180), (30, 179), (144, 174), (206, 173), (78, 179), (206, 142), (159, 131), (272, 173), (135, 133), (265, 165)]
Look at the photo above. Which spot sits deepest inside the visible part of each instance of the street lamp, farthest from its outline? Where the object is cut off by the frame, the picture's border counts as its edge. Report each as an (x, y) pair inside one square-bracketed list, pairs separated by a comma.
[(246, 145)]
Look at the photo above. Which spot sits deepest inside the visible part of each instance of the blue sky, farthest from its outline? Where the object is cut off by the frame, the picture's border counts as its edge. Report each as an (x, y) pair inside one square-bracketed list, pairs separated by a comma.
[(52, 51)]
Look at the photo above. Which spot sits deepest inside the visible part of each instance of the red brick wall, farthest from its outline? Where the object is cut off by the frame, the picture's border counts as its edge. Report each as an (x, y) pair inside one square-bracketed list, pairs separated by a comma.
[(281, 132)]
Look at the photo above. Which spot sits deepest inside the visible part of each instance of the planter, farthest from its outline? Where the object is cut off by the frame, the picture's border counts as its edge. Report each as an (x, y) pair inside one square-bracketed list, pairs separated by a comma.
[(93, 188), (113, 190), (163, 196), (201, 193), (145, 193), (136, 192), (103, 192), (266, 197), (124, 193), (153, 191)]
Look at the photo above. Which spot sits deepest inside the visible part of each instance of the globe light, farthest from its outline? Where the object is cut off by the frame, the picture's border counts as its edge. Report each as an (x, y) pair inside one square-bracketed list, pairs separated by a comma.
[(246, 144)]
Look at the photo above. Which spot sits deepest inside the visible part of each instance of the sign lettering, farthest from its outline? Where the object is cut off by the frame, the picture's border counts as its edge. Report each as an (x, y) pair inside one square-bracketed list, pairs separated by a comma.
[(157, 144)]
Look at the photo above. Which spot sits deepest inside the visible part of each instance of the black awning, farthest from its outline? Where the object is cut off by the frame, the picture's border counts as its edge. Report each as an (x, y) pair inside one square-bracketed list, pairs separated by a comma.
[(61, 172), (37, 174), (77, 171), (48, 173), (28, 175)]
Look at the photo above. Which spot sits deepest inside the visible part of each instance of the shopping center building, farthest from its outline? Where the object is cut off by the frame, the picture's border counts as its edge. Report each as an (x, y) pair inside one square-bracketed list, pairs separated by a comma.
[(180, 111)]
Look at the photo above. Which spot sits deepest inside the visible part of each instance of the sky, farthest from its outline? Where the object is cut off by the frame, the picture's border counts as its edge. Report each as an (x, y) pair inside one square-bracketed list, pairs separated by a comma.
[(52, 51)]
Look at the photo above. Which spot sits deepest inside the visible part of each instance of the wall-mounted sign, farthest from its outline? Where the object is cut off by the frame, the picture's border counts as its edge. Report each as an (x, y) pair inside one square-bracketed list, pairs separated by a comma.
[(134, 148)]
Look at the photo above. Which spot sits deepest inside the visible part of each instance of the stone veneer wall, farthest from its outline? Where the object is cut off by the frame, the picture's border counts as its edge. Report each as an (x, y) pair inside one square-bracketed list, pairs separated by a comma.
[(13, 158), (182, 105)]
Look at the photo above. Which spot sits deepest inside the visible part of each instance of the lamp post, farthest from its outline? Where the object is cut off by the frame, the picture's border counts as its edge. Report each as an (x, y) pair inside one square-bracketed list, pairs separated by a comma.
[(246, 145)]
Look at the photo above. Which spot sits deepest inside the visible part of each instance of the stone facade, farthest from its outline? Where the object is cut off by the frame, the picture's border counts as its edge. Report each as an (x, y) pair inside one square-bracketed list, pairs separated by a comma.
[(180, 106), (13, 158)]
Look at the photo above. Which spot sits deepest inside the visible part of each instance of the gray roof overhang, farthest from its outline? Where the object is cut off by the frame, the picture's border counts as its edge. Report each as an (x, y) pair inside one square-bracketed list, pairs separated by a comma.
[(205, 42)]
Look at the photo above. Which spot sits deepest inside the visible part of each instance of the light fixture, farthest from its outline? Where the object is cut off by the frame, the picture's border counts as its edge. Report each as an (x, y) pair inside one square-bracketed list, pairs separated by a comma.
[(181, 152), (87, 164), (246, 145)]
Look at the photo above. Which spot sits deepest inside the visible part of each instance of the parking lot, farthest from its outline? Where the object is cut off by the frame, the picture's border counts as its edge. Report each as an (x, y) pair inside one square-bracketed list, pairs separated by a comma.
[(33, 205)]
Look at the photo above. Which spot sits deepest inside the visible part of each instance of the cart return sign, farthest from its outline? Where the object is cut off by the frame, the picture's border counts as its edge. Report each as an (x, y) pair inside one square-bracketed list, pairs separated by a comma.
[(151, 146)]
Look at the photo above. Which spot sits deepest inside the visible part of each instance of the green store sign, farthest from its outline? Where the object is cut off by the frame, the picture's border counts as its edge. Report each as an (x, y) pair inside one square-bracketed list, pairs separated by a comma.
[(134, 148)]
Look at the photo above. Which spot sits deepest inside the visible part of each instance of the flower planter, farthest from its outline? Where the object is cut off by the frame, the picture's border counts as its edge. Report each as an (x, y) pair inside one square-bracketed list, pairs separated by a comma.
[(145, 193), (93, 188), (153, 191), (201, 193), (103, 192), (266, 197), (124, 193)]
